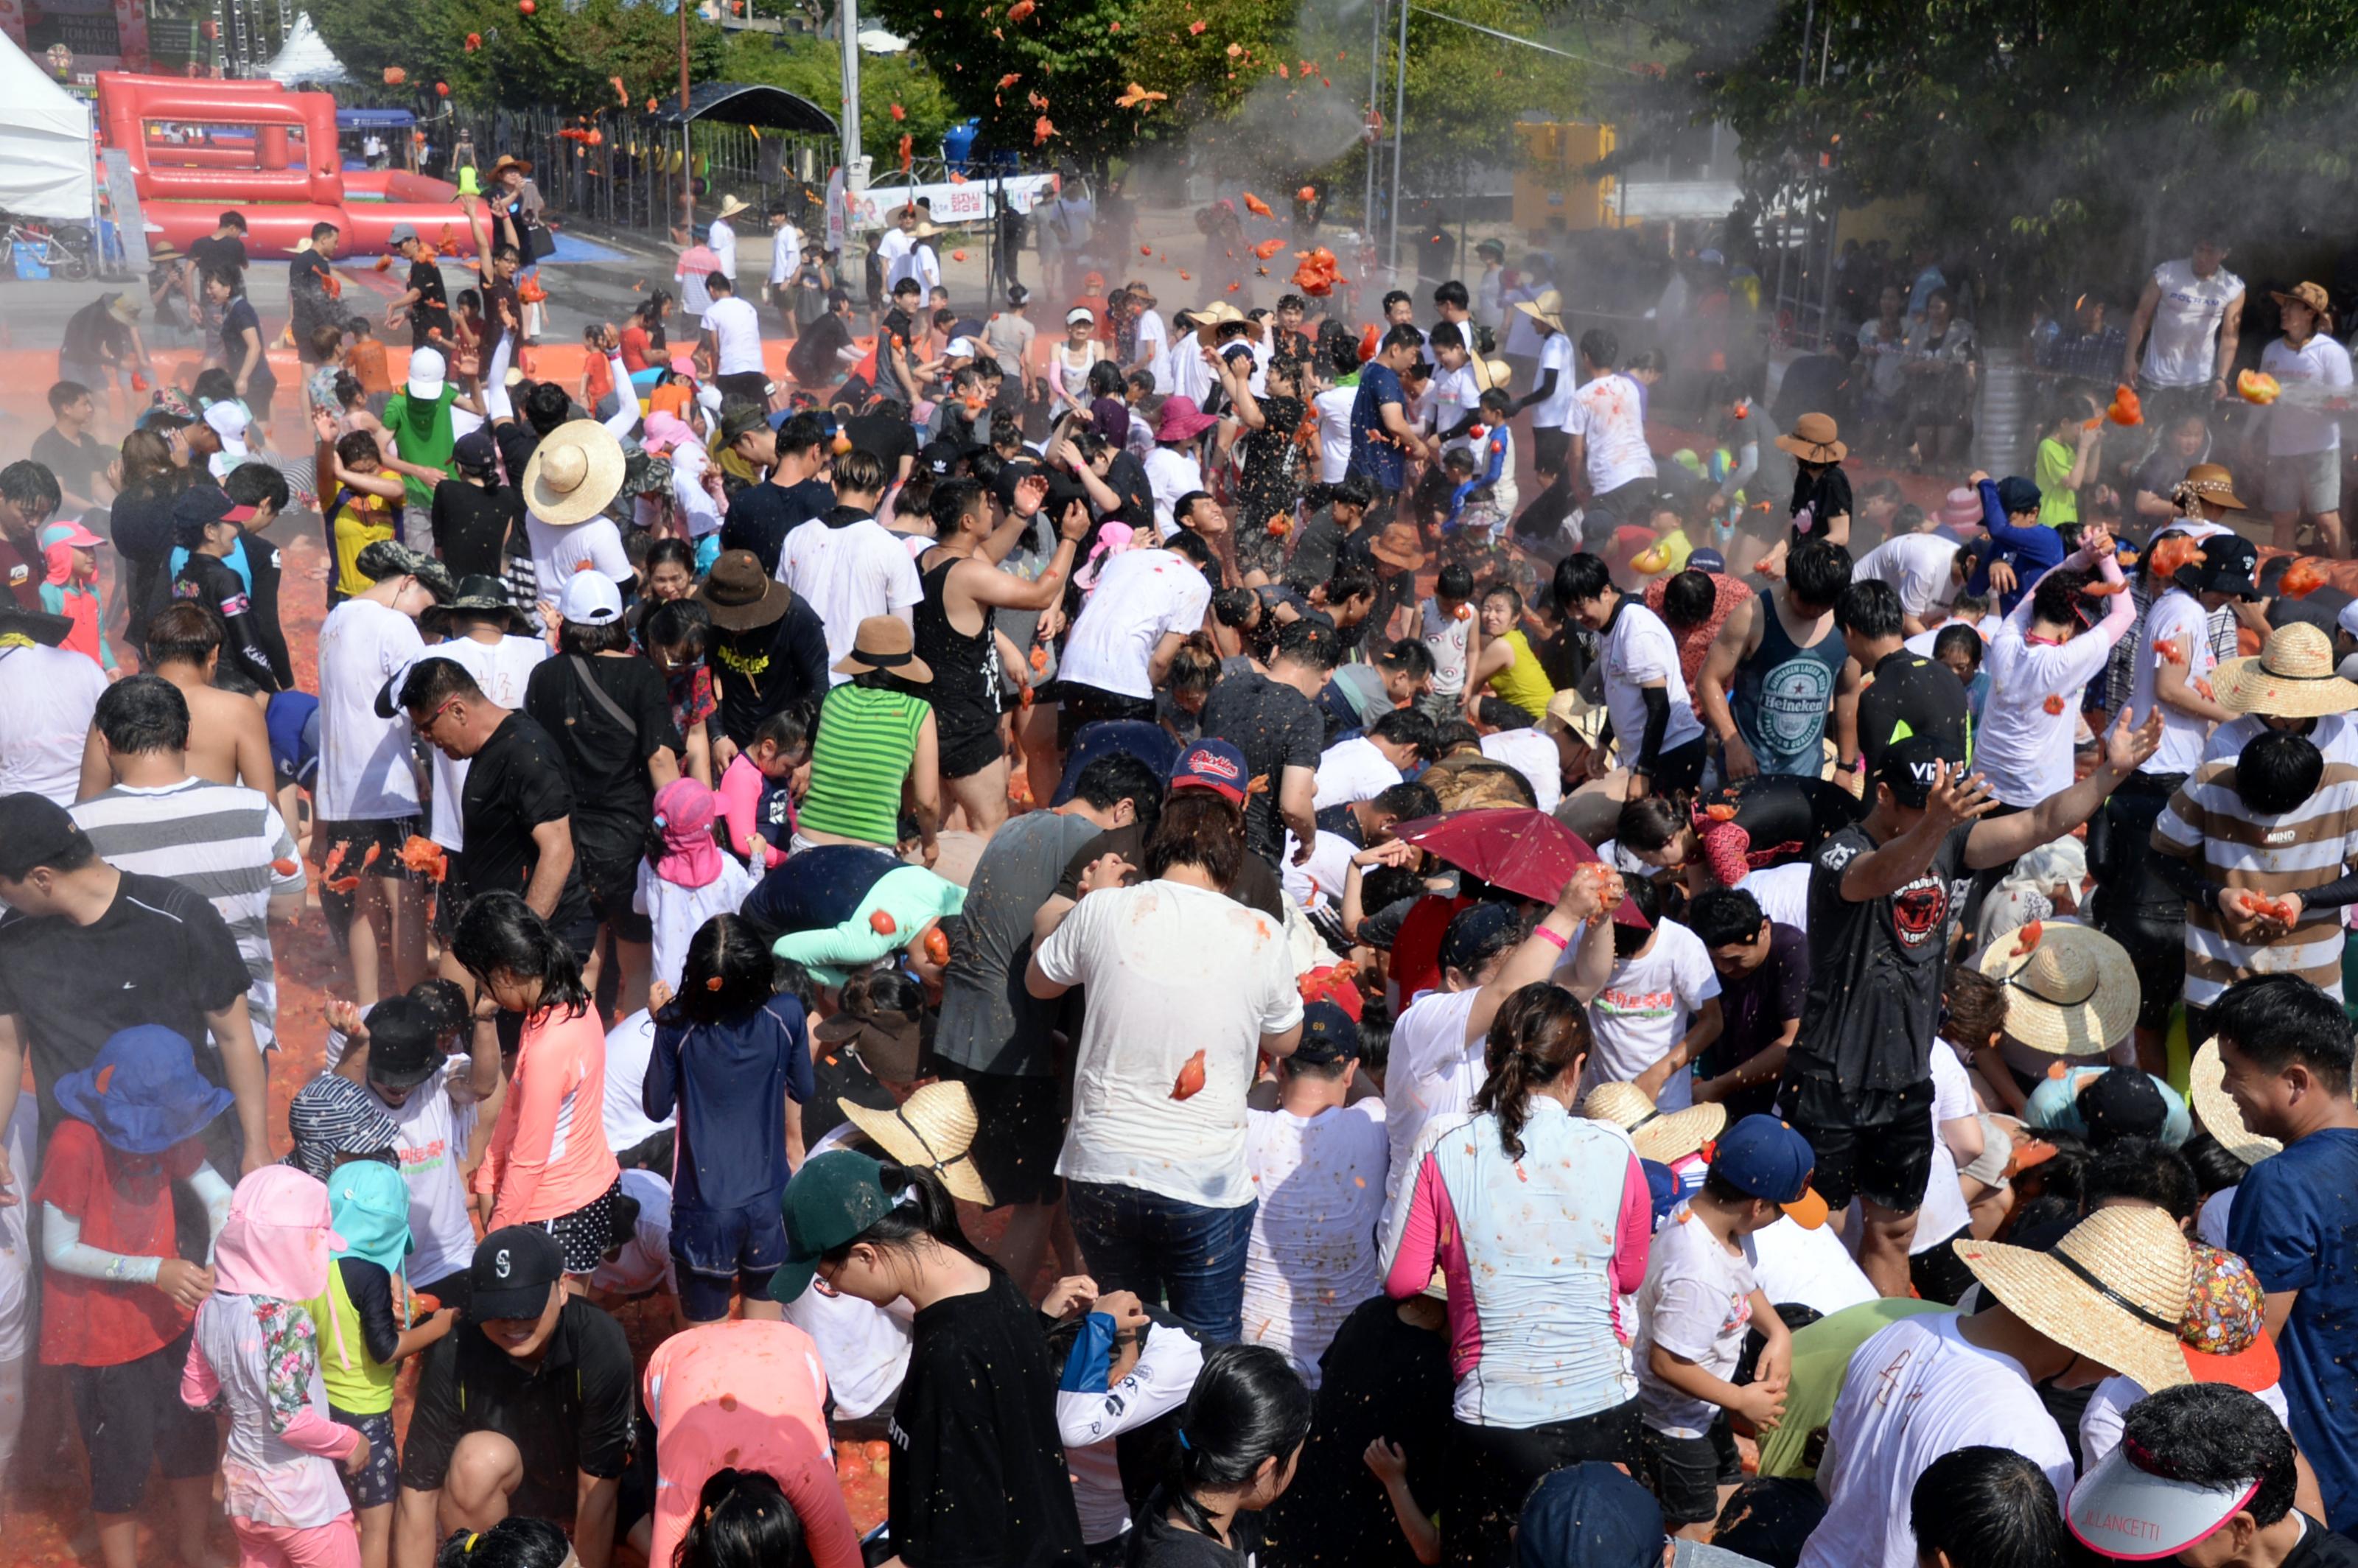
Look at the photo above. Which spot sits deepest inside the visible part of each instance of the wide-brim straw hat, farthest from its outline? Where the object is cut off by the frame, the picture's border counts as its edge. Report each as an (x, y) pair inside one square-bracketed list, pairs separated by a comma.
[(2292, 677), (2115, 1289), (1398, 545), (1211, 317), (1814, 438), (2213, 483), (2070, 990), (575, 473), (925, 230), (730, 208), (2312, 295), (885, 643), (1491, 375), (934, 1130), (1547, 310), (2206, 1085), (1661, 1136)]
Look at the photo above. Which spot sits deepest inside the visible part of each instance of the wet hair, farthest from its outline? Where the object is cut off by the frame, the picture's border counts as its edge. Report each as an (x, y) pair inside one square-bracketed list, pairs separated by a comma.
[(622, 1220), (1401, 337), (743, 1520), (1451, 293), (185, 632), (1195, 668), (1499, 714), (1351, 580), (926, 1213), (678, 552), (1409, 655), (1958, 639), (2278, 1020), (2277, 771), (727, 974), (2145, 1170), (682, 623), (1455, 580), (1247, 1406), (1310, 642), (1989, 1507), (1724, 916), (802, 432), (783, 732), (1868, 608), (1507, 591), (1405, 802), (31, 488), (859, 473), (1197, 827), (143, 713), (1818, 571), (443, 1005), (354, 448), (589, 638), (500, 931), (1446, 336), (513, 1542), (952, 499), (2215, 1166), (1407, 727), (1976, 1007), (1648, 824), (1688, 599), (1579, 579), (1647, 899), (2216, 1437), (546, 407), (2056, 598), (1113, 777), (1600, 348), (1541, 1032)]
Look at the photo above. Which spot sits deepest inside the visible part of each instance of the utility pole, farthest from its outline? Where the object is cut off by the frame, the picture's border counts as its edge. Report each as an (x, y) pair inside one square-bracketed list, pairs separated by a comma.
[(686, 135), (1399, 119), (1375, 87), (847, 20)]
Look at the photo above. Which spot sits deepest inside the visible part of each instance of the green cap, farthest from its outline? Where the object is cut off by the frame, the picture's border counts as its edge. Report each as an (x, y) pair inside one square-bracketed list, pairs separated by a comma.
[(832, 1200)]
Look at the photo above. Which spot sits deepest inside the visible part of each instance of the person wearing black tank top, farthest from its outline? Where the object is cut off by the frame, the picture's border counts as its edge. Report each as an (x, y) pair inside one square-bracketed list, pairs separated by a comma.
[(958, 636), (1778, 667)]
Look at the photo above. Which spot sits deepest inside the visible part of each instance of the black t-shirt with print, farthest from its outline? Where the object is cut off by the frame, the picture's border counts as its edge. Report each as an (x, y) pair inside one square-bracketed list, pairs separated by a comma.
[(158, 954), (1920, 694), (978, 1475), (514, 785), (1874, 1002), (1276, 727), (1827, 495), (613, 797), (768, 669)]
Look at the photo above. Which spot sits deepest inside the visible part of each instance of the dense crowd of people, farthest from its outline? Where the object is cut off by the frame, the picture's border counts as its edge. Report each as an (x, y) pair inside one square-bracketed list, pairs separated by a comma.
[(1252, 937)]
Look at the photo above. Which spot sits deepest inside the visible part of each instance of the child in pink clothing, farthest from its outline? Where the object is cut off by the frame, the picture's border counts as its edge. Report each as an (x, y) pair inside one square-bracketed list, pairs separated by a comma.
[(748, 1395), (683, 879), (254, 1348), (755, 801)]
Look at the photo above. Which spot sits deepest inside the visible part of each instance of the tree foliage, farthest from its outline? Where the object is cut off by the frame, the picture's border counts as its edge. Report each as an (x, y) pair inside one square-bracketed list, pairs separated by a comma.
[(559, 56), (813, 68)]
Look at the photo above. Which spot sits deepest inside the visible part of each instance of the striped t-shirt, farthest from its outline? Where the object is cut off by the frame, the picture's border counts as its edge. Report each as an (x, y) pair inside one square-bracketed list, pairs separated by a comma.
[(2207, 822), (866, 738), (220, 841)]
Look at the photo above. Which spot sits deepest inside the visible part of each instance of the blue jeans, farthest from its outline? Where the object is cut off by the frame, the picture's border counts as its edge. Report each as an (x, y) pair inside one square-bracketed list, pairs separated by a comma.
[(1181, 1253)]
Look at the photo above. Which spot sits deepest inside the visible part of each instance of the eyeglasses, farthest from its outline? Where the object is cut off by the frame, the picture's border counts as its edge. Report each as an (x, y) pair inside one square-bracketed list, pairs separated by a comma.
[(426, 727)]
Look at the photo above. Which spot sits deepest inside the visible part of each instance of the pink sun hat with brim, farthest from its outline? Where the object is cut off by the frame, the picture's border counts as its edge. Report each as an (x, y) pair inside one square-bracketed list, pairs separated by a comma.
[(1181, 421), (684, 811), (1962, 508), (278, 1236), (2130, 1513)]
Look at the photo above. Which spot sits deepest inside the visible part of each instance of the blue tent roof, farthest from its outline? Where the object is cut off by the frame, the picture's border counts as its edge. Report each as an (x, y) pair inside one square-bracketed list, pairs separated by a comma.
[(374, 119)]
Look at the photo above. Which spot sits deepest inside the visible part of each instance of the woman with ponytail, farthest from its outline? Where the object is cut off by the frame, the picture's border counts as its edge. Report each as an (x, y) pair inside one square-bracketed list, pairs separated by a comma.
[(1538, 1221), (1238, 1440), (978, 1474)]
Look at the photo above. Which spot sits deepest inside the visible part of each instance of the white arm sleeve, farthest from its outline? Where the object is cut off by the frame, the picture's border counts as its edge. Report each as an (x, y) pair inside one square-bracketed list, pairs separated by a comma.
[(495, 383), (62, 1249), (208, 1185), (626, 417)]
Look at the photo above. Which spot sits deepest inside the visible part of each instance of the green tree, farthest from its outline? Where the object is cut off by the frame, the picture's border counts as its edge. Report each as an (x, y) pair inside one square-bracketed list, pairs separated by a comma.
[(813, 69), (559, 56)]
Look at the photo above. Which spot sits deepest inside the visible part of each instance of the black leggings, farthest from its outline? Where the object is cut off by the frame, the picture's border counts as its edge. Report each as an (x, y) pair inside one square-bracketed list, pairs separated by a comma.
[(1492, 1470)]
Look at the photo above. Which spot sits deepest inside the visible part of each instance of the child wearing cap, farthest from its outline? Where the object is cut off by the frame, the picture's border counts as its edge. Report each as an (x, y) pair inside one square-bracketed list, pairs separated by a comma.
[(683, 879), (1700, 1299), (280, 1485), (117, 1299), (69, 588)]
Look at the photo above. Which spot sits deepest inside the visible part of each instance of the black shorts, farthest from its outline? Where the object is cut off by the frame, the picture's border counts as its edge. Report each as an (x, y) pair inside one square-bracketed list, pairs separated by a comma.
[(1876, 1145), (612, 885), (356, 838), (585, 1233), (1938, 1274), (969, 751), (132, 1421), (1019, 1132), (1686, 1473), (1549, 448), (1077, 704), (744, 386), (380, 1480)]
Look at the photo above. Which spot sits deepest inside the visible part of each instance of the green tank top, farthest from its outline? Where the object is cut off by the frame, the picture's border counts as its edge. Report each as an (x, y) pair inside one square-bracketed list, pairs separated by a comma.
[(866, 738), (357, 1384), (1523, 683)]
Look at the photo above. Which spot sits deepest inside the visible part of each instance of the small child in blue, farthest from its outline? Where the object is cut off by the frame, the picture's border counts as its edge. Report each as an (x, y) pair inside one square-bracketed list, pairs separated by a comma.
[(735, 1060)]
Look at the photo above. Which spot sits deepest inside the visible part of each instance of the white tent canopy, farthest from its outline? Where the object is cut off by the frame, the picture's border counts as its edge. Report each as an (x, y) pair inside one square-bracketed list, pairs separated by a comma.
[(305, 58), (45, 143)]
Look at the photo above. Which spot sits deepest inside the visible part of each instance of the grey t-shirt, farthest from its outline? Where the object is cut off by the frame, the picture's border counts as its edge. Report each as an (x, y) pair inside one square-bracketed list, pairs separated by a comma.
[(988, 1022)]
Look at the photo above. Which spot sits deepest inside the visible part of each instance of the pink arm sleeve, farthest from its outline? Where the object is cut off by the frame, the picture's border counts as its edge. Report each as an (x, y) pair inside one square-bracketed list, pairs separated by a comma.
[(543, 1089), (741, 793), (827, 1530), (312, 1432), (1635, 1233), (1420, 1235), (199, 1384)]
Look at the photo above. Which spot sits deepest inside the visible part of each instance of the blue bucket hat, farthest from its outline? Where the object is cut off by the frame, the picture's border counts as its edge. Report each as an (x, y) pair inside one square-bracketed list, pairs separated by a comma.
[(143, 1091), (369, 1206), (1589, 1515)]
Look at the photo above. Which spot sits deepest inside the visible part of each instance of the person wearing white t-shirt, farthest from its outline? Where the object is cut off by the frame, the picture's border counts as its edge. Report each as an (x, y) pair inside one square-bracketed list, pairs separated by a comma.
[(732, 340), (848, 565), (2187, 320), (630, 1131), (1438, 1037), (1658, 1010), (1172, 473), (2042, 657), (1152, 337), (1521, 748), (1318, 1162), (483, 635), (1353, 770), (2304, 439), (1650, 713), (1607, 426), (1146, 602), (561, 549), (642, 1266), (894, 242), (785, 257), (2174, 657), (1927, 572), (920, 262), (365, 794), (47, 698)]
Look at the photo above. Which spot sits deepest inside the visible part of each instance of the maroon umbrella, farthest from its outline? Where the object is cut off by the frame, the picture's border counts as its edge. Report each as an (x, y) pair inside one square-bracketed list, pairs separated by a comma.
[(1522, 851)]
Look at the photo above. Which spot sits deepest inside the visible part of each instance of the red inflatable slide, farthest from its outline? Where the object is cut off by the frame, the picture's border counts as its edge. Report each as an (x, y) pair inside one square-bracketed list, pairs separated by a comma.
[(271, 155)]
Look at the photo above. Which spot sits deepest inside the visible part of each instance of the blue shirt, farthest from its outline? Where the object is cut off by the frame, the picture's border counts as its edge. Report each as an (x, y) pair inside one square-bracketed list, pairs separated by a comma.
[(1374, 452), (2296, 1222), (731, 1093), (2029, 551)]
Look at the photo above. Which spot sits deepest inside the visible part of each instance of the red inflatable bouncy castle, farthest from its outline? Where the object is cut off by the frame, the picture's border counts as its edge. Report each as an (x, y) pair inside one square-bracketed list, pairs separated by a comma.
[(271, 155)]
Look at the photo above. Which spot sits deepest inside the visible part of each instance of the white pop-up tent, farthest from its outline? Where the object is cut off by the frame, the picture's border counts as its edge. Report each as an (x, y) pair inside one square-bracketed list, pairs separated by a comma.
[(305, 58), (45, 143)]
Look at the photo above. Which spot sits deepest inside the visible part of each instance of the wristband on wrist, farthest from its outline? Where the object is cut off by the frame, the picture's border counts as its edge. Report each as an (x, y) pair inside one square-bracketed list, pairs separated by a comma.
[(1544, 935)]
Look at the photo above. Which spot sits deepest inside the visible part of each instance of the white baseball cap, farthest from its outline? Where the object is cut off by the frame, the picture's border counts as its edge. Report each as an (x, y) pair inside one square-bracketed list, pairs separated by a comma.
[(591, 599), (228, 419), (427, 372), (962, 347)]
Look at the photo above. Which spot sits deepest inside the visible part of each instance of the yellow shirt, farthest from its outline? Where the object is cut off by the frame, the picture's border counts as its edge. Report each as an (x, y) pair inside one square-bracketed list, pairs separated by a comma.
[(361, 521), (1522, 682)]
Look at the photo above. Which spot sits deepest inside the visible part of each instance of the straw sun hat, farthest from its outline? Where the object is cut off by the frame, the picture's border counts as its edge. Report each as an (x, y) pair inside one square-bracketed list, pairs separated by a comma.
[(1547, 310), (934, 1129), (574, 474), (2115, 1289), (1661, 1136), (2070, 991), (2206, 1088), (2291, 676)]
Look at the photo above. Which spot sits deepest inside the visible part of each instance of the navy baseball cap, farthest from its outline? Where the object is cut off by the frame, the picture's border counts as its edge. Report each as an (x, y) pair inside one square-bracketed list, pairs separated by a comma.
[(1328, 1036), (1589, 1515), (1765, 1158), (1213, 764), (1706, 560)]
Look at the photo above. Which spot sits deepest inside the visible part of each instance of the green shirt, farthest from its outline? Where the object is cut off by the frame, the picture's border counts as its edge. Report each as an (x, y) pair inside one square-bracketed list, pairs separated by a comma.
[(2058, 501), (866, 740), (423, 435), (1822, 1354)]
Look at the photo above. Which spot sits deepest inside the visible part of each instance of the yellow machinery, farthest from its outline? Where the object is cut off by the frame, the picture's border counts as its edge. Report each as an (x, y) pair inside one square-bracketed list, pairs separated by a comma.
[(1552, 190)]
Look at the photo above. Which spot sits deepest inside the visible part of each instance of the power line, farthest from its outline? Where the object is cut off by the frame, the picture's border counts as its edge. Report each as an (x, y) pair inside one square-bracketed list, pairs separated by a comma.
[(1527, 43)]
